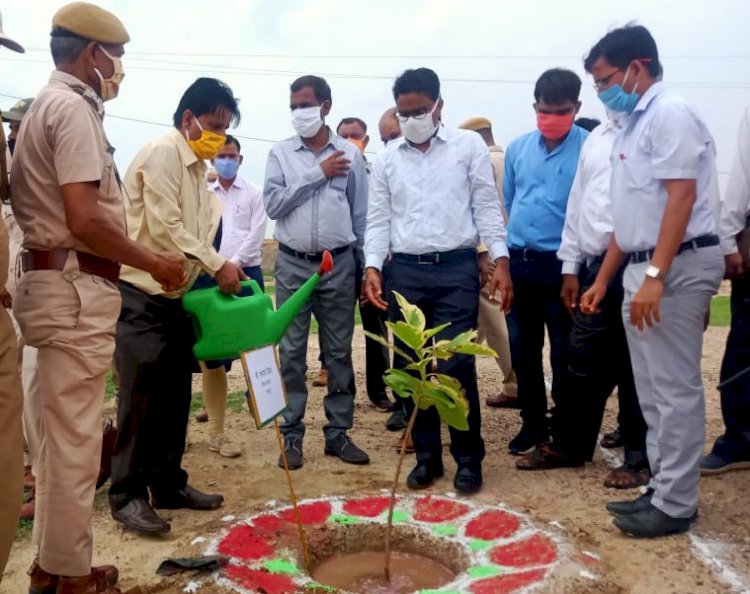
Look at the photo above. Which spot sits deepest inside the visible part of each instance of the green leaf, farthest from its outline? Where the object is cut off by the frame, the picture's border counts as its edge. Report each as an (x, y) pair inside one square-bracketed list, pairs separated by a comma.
[(409, 335), (473, 348), (458, 340), (454, 416), (436, 330), (382, 341), (412, 314), (419, 366), (402, 383)]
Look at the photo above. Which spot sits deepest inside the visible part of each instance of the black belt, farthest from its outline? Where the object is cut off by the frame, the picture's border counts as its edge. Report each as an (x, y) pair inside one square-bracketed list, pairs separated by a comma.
[(525, 254), (431, 258), (312, 256), (693, 244)]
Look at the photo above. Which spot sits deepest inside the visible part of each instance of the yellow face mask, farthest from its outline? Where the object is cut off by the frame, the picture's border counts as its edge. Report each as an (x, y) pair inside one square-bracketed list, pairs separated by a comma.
[(208, 145)]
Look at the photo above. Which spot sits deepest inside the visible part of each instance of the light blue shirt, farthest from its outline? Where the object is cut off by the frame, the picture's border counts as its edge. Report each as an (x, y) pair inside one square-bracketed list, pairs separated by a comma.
[(664, 138), (536, 186), (313, 213), (439, 200)]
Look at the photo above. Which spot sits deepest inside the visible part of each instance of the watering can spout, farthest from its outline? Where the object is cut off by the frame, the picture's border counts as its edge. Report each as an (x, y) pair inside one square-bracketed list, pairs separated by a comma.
[(285, 314)]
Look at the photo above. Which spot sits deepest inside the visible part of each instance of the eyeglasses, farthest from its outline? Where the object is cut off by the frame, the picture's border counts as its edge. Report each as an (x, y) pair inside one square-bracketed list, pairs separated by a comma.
[(418, 117), (602, 83)]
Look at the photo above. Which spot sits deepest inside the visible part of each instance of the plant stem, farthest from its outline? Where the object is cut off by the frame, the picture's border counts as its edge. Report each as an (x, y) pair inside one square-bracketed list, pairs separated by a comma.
[(297, 517), (392, 505)]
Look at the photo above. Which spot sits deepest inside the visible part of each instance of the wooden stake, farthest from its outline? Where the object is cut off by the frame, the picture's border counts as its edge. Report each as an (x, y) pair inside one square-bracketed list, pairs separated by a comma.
[(389, 525), (293, 495)]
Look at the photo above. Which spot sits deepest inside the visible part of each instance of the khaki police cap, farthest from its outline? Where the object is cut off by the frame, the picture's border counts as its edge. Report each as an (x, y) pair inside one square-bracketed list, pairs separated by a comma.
[(16, 113), (475, 124), (88, 21), (7, 41)]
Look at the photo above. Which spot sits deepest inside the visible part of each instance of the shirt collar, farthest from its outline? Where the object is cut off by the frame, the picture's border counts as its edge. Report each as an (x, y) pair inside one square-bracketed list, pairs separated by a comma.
[(237, 183), (653, 92), (442, 135), (300, 144), (187, 154), (573, 135), (80, 87)]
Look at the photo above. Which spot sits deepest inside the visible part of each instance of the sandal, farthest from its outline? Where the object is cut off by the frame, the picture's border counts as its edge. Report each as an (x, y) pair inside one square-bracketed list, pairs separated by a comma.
[(627, 477)]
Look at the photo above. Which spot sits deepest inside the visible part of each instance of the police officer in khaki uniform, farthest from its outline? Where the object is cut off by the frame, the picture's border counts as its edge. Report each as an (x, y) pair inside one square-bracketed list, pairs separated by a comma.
[(11, 396), (491, 324), (68, 203)]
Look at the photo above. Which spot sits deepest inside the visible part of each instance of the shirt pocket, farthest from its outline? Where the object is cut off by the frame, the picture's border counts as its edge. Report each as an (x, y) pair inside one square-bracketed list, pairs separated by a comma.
[(243, 214)]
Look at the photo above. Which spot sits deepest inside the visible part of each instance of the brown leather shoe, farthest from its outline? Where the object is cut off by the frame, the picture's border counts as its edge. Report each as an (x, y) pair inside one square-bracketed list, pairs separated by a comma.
[(502, 401), (546, 458), (409, 443), (29, 508), (47, 583), (321, 381), (87, 584), (202, 416), (29, 481)]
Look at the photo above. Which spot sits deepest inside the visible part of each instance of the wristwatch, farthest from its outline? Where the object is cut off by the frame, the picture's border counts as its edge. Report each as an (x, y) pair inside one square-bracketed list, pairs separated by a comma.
[(653, 272)]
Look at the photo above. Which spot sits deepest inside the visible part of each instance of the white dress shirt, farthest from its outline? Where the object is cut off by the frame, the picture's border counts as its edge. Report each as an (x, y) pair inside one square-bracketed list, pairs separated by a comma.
[(437, 201), (243, 222), (588, 216), (663, 139), (736, 206)]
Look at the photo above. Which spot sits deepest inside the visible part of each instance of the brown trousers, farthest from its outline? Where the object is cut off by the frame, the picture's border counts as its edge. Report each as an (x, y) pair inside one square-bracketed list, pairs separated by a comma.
[(11, 438), (493, 329), (70, 317)]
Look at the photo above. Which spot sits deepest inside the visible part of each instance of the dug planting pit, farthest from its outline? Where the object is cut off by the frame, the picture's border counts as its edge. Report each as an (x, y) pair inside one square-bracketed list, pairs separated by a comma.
[(470, 548)]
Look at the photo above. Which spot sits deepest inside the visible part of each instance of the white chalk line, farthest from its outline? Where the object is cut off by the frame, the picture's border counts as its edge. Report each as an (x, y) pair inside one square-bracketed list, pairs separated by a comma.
[(708, 552)]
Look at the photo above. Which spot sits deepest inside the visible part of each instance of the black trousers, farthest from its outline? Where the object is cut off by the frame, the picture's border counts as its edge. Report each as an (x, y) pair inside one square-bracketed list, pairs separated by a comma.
[(445, 292), (376, 356), (155, 363), (537, 284), (735, 395), (597, 361)]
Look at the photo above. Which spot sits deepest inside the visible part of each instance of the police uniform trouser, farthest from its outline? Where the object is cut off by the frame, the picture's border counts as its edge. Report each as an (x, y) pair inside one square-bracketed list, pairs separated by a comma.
[(70, 317), (666, 362), (11, 440), (493, 328)]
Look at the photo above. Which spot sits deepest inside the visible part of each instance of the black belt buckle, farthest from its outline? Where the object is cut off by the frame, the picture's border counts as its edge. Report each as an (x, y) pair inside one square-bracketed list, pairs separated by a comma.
[(427, 259)]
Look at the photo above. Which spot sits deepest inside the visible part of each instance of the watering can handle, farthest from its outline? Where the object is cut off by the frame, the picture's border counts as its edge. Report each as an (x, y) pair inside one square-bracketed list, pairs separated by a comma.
[(245, 284)]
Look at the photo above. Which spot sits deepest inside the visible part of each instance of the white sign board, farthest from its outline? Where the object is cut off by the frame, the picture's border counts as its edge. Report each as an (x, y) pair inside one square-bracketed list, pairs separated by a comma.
[(267, 396)]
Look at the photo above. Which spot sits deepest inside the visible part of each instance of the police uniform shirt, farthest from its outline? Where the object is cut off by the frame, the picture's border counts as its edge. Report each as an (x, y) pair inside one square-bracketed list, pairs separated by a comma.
[(663, 139), (62, 141)]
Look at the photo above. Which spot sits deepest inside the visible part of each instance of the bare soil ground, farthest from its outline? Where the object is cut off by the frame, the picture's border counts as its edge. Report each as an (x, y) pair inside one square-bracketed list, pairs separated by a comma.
[(714, 559)]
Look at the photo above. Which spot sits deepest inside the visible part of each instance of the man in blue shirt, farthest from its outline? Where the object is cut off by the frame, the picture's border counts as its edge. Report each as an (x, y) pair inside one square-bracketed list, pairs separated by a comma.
[(539, 171)]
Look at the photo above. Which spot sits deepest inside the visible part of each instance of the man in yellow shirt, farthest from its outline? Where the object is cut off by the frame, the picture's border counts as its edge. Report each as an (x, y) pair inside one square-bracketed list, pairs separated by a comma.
[(169, 206)]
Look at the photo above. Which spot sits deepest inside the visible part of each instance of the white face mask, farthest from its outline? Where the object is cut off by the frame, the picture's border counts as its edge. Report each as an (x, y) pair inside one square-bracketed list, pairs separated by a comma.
[(419, 131), (110, 86), (306, 121)]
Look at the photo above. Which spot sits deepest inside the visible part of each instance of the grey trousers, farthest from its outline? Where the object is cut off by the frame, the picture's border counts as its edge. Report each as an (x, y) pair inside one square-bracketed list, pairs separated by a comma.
[(333, 306), (667, 370)]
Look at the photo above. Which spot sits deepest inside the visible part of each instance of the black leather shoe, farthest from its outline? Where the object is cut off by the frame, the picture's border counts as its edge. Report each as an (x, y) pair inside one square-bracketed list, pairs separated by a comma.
[(397, 421), (651, 523), (468, 479), (189, 498), (528, 439), (424, 474), (293, 451), (138, 515), (344, 448), (625, 508)]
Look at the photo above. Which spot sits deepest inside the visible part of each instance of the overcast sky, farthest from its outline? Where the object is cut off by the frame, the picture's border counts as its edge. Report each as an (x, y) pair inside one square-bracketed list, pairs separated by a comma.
[(488, 54)]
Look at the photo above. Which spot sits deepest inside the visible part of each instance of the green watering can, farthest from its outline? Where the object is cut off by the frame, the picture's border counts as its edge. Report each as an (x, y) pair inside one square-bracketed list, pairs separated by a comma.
[(226, 325)]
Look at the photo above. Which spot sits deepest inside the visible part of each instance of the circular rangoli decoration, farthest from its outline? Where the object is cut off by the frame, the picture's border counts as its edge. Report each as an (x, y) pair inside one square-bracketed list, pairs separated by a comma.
[(502, 550)]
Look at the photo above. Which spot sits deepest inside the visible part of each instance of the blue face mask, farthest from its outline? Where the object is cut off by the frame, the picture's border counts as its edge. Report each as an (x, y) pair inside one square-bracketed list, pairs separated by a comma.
[(227, 168), (616, 99)]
